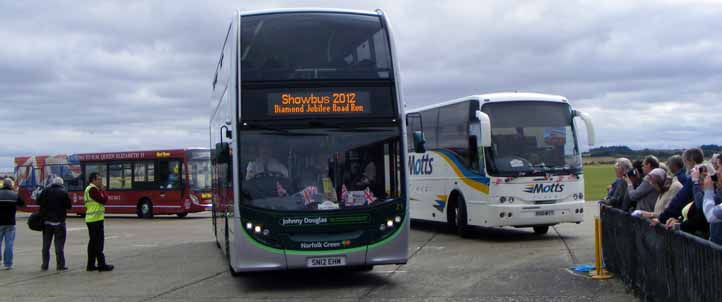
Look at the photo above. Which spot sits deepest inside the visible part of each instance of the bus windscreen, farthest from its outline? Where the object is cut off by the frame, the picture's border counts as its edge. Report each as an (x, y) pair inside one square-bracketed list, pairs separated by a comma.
[(314, 46)]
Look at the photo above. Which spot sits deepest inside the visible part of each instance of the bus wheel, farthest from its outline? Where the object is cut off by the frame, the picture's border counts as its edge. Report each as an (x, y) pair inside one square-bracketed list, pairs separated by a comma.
[(462, 228), (182, 215), (145, 209), (541, 229)]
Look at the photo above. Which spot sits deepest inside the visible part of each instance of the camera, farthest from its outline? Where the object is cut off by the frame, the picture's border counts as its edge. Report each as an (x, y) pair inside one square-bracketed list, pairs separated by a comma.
[(702, 169), (714, 178), (632, 173)]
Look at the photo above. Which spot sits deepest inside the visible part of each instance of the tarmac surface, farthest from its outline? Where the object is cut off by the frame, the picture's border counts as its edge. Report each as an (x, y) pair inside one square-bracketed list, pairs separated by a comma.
[(171, 259)]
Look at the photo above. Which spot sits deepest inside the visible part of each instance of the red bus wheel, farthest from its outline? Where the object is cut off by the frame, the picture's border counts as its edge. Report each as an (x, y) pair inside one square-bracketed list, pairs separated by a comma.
[(145, 209)]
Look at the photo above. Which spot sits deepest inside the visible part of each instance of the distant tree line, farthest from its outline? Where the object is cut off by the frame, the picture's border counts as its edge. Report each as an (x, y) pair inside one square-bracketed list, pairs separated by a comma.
[(662, 154)]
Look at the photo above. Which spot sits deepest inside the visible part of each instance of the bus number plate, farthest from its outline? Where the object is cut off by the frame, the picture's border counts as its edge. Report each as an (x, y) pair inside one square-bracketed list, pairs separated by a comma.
[(326, 261), (545, 213)]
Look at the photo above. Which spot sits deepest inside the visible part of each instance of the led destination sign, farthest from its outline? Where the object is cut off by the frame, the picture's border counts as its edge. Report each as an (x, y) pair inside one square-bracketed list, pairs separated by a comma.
[(319, 102)]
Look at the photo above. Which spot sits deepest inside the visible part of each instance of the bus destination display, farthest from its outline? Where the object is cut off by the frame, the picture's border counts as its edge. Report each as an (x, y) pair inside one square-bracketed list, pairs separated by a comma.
[(347, 102)]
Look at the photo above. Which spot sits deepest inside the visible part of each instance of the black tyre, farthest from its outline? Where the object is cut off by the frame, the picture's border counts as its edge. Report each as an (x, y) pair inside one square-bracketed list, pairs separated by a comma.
[(145, 209), (182, 215), (541, 230), (461, 221)]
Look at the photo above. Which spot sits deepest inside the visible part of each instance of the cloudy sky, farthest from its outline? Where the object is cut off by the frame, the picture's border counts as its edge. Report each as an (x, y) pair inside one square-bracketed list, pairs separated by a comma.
[(104, 76)]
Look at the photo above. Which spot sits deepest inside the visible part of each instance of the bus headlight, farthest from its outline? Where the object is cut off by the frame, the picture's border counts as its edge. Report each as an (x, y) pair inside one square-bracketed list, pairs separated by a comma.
[(194, 199), (397, 219), (249, 226), (390, 223), (257, 229)]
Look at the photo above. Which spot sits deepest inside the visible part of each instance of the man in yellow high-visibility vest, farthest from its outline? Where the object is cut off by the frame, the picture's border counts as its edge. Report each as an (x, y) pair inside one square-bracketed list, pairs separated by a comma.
[(95, 200)]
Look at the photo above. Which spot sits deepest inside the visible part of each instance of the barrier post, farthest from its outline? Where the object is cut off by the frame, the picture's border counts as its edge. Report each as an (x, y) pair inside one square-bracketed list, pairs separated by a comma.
[(600, 273)]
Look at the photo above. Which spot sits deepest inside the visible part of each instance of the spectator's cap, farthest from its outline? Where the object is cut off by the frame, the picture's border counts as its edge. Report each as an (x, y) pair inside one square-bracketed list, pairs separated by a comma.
[(58, 181), (658, 176)]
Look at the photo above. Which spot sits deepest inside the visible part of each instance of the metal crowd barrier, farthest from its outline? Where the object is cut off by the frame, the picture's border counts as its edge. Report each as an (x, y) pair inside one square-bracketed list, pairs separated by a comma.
[(660, 265)]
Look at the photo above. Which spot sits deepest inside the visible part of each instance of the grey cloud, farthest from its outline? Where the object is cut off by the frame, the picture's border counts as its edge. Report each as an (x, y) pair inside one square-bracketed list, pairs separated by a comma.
[(100, 76)]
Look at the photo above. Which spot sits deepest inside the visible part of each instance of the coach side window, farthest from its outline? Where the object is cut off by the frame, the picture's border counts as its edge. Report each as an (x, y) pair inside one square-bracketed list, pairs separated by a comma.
[(429, 120), (454, 130)]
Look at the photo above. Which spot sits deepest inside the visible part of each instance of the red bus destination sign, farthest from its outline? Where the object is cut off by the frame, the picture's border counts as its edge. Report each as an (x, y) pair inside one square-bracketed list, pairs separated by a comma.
[(319, 102)]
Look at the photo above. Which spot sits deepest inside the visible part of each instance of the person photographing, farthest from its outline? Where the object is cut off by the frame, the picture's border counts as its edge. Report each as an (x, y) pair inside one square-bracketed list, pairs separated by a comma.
[(95, 200)]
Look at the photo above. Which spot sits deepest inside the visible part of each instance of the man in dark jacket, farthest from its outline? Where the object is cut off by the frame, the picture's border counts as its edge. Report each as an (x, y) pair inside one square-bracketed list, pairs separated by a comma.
[(54, 203), (9, 202)]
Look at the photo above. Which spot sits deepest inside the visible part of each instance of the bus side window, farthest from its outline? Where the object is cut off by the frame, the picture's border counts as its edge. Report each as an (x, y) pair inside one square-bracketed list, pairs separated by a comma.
[(144, 175)]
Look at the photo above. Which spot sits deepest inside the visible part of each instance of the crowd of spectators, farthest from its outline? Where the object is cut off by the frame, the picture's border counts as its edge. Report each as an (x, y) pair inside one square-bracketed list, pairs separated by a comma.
[(685, 193)]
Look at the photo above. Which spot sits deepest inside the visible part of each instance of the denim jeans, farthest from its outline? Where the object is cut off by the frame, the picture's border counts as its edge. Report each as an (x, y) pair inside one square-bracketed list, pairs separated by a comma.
[(7, 235)]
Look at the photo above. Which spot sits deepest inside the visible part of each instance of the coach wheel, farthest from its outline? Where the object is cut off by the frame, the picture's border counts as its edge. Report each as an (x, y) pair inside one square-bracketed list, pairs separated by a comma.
[(145, 209), (541, 230), (182, 215), (461, 220)]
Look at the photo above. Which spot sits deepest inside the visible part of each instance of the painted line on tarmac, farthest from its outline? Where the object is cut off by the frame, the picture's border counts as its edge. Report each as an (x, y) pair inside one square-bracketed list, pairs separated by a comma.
[(575, 261)]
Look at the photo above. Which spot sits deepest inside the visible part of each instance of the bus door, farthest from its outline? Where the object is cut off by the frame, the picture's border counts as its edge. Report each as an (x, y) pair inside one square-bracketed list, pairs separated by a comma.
[(170, 183)]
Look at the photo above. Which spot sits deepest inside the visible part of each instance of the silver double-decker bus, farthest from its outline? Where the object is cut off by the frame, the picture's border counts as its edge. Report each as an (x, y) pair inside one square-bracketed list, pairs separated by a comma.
[(308, 142)]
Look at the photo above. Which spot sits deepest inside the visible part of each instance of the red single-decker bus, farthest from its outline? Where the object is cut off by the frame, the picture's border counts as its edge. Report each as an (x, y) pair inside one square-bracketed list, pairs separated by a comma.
[(146, 183)]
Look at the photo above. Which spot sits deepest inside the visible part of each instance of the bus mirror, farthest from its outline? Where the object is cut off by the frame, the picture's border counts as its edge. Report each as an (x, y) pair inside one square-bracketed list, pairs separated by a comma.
[(221, 153), (587, 119), (419, 142), (485, 125)]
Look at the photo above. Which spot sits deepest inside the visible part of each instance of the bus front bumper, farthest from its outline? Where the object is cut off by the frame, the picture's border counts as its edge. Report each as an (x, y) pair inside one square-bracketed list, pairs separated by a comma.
[(525, 215)]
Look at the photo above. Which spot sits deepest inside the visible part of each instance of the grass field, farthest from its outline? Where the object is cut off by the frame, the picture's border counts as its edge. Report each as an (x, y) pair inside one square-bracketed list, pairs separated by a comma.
[(596, 180)]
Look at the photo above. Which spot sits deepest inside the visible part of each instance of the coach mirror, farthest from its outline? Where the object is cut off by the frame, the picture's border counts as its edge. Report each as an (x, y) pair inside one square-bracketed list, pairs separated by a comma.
[(587, 119), (414, 126), (485, 125)]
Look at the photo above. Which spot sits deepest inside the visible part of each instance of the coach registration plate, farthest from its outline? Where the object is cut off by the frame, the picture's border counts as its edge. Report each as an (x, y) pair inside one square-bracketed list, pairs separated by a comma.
[(326, 261), (545, 213)]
